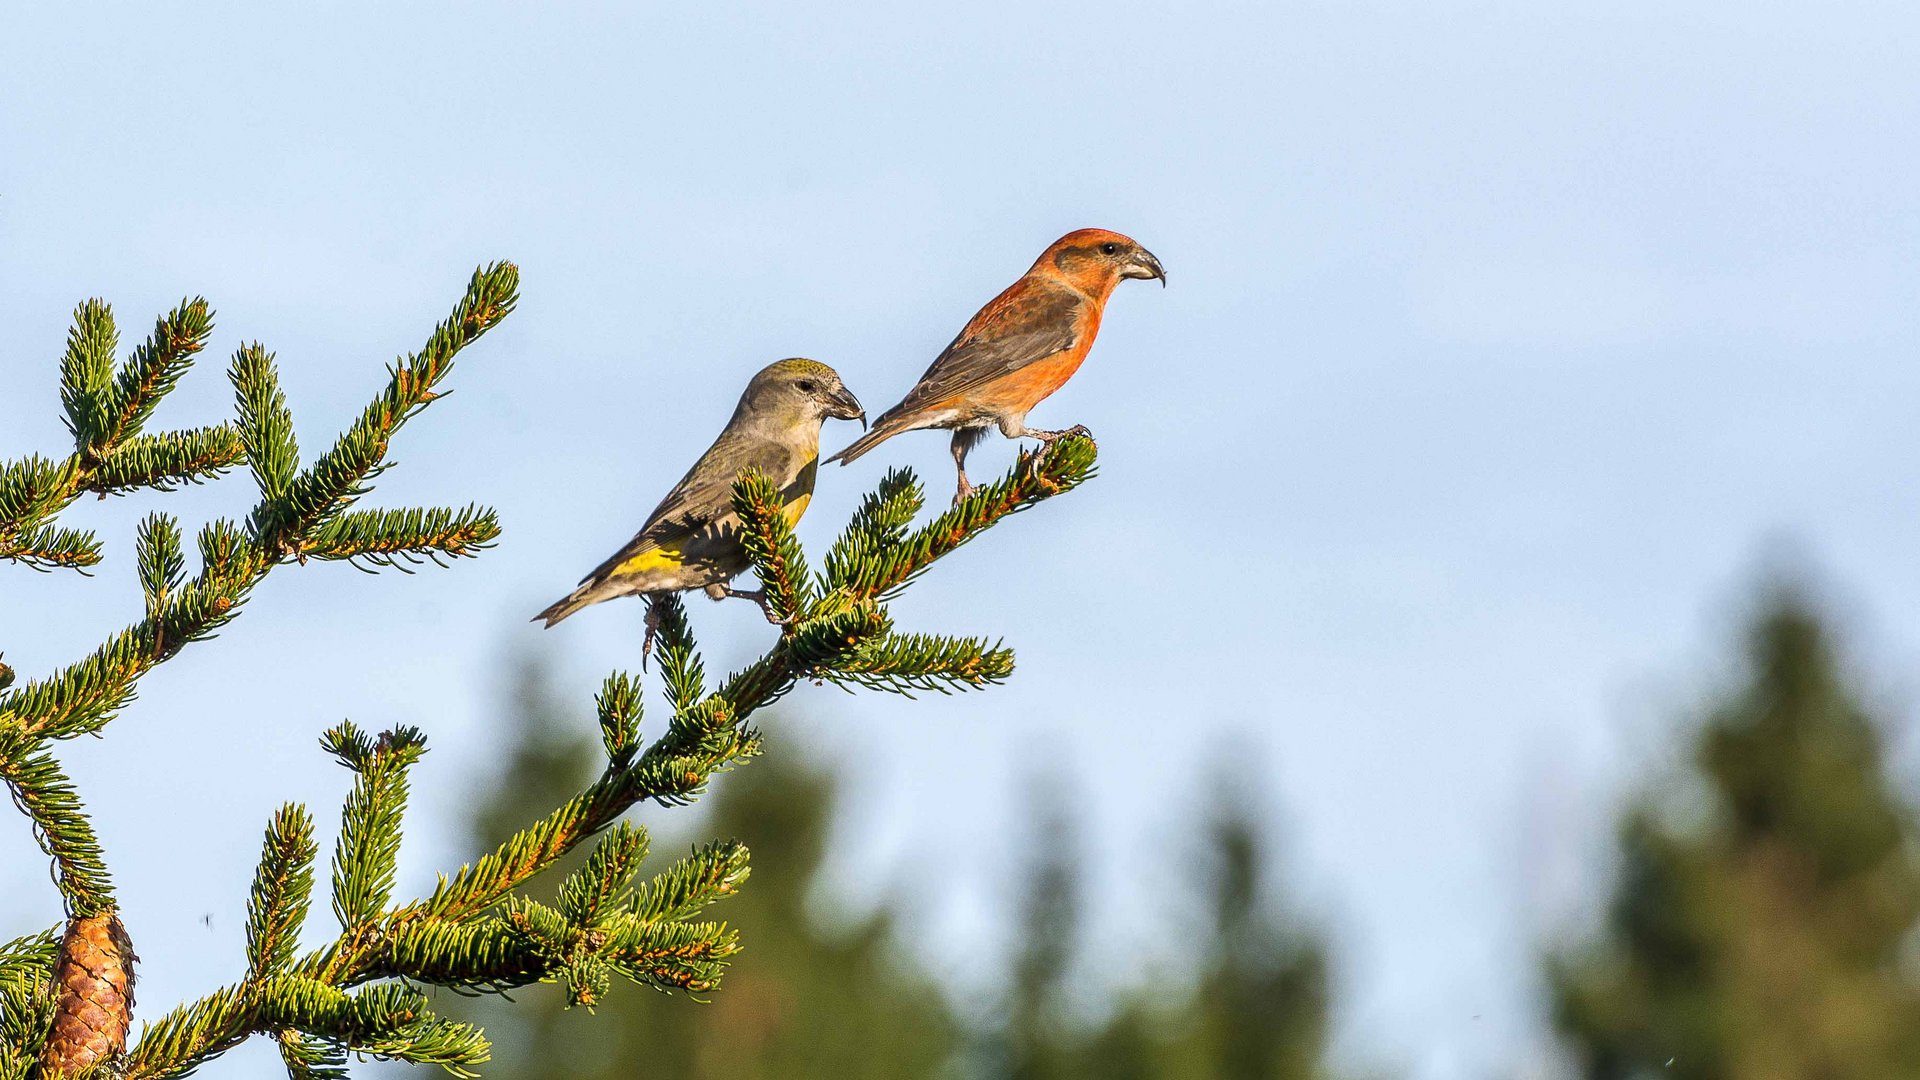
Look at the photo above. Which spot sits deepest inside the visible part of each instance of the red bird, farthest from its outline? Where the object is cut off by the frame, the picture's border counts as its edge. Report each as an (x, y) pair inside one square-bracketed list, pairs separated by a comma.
[(1022, 346)]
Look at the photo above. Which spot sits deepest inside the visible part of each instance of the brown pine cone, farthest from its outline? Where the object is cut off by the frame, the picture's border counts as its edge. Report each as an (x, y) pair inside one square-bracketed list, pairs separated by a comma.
[(95, 980)]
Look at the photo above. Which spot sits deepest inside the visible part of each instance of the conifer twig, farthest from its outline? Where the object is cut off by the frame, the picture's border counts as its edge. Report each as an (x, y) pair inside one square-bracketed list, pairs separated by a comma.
[(107, 405), (65, 999)]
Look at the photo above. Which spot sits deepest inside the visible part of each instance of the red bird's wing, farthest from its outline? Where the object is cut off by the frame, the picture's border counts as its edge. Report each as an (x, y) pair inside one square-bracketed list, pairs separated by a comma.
[(1028, 323)]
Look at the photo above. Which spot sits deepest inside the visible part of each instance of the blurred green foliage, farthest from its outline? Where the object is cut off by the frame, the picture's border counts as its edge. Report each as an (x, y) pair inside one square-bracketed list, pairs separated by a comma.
[(805, 1000), (819, 995), (1254, 1008), (1763, 923)]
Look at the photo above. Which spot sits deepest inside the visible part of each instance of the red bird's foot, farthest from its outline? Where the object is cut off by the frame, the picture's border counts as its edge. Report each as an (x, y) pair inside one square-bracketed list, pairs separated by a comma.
[(1048, 438), (961, 492)]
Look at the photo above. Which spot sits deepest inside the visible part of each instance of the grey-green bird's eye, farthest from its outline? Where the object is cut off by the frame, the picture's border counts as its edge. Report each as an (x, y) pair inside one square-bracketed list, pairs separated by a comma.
[(805, 385)]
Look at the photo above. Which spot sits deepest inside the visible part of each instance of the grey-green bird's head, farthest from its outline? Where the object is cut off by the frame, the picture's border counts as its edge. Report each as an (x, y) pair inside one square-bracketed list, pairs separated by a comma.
[(791, 393)]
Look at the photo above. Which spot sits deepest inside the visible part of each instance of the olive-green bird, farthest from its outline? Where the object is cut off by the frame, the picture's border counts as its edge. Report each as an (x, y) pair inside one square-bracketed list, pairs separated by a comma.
[(692, 539)]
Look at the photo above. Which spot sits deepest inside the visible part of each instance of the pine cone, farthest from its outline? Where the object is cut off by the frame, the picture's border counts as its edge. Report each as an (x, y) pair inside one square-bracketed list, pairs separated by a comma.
[(95, 980)]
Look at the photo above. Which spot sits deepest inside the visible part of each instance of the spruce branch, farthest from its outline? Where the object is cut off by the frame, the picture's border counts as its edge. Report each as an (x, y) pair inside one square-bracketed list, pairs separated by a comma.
[(879, 525), (308, 1058), (86, 696), (282, 892), (86, 376), (369, 845), (162, 563), (157, 365), (673, 955), (340, 476), (404, 538), (619, 704), (105, 411), (1037, 475), (680, 664), (163, 462), (33, 489), (608, 869), (23, 957), (194, 1034), (26, 1000), (48, 547), (266, 428), (766, 532), (478, 930), (903, 663), (713, 872), (44, 794)]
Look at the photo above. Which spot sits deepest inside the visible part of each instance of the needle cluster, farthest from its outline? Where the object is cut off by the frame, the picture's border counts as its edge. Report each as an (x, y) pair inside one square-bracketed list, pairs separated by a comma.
[(66, 993)]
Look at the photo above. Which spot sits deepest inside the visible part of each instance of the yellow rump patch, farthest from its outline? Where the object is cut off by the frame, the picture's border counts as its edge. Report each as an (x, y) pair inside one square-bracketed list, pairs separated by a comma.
[(649, 560)]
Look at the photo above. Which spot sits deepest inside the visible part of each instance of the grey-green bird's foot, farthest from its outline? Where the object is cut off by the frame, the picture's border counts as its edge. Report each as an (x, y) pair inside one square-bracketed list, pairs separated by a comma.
[(758, 596), (653, 631)]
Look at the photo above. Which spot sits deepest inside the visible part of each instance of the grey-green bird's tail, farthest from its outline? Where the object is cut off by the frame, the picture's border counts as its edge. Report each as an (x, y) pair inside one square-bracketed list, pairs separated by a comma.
[(590, 591)]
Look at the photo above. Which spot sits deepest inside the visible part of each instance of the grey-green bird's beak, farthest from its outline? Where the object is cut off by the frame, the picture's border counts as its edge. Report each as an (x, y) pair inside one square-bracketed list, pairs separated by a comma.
[(1144, 266), (842, 405)]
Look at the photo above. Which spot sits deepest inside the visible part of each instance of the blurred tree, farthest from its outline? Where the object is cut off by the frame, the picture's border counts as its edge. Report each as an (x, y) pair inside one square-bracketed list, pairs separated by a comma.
[(1763, 931), (1259, 1005), (804, 1000), (1261, 1010), (1035, 1032)]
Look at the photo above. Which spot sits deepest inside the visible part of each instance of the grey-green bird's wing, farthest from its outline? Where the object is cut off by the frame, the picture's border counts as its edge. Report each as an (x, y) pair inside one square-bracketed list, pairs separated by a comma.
[(693, 533)]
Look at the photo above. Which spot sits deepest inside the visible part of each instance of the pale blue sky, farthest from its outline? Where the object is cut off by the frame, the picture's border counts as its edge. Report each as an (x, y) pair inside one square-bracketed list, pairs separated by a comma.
[(1501, 337)]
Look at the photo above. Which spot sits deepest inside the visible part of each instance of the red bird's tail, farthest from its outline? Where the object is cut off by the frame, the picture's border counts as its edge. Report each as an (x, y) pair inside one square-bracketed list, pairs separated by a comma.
[(881, 432)]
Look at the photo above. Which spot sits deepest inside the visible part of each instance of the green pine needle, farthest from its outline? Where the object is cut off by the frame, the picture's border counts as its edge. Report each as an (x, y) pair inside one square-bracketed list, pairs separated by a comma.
[(402, 539), (619, 704), (767, 535), (282, 892), (477, 932), (164, 462), (878, 526), (43, 792), (162, 563), (369, 846), (713, 872), (47, 547), (86, 375), (904, 663), (607, 870), (157, 364)]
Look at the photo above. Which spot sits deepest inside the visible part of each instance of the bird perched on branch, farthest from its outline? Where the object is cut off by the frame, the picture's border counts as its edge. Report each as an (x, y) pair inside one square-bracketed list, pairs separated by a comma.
[(692, 539), (1025, 344)]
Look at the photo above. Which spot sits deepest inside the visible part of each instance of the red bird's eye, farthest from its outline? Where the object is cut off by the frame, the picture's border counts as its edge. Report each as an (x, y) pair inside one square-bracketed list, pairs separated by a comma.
[(1109, 249)]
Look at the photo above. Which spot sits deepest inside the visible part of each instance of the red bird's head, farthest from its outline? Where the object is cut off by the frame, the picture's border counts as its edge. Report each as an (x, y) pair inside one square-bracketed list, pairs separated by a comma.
[(1094, 261)]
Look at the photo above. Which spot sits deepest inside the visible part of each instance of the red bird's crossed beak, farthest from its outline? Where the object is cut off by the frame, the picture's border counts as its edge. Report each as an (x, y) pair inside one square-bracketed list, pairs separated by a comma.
[(1144, 266)]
